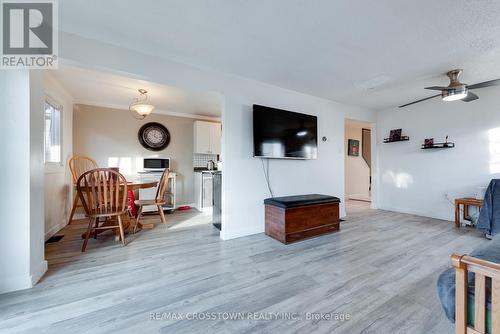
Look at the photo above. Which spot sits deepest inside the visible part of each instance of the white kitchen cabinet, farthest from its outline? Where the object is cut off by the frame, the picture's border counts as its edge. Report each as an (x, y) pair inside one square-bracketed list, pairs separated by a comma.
[(215, 138), (207, 137), (202, 137)]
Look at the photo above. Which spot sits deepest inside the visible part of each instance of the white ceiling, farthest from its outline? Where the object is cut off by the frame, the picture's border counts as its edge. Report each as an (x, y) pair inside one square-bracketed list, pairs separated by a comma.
[(109, 90), (372, 53)]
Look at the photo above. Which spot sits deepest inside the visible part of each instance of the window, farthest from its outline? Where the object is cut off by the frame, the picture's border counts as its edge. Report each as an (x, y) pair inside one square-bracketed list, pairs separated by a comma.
[(52, 133)]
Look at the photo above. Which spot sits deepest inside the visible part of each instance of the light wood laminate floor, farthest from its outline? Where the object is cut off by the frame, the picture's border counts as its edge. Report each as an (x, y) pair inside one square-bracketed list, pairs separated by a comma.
[(380, 269)]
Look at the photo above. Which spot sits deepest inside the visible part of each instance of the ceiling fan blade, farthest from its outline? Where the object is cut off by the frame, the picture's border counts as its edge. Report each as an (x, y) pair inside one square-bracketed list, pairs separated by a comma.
[(427, 98), (437, 88), (470, 97), (485, 84)]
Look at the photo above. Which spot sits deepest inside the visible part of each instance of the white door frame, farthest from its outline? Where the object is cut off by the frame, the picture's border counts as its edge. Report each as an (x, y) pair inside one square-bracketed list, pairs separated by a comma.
[(374, 160)]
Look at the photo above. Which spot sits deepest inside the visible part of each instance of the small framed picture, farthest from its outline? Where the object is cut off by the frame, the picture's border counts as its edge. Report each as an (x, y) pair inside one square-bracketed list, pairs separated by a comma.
[(353, 147), (395, 134)]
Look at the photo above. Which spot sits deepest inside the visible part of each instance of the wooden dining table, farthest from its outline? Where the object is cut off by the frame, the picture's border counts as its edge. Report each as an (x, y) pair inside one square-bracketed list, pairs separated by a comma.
[(127, 222)]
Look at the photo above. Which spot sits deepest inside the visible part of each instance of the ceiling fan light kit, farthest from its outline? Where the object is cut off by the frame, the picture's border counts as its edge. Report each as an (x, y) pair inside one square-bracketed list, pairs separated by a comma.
[(139, 107), (454, 94), (456, 90)]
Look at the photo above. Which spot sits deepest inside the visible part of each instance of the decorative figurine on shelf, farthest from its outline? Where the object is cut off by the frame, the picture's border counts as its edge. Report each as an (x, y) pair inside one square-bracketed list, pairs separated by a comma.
[(429, 142), (446, 142)]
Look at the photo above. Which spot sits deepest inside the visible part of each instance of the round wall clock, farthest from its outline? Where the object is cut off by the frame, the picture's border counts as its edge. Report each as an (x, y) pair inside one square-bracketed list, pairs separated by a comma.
[(154, 136)]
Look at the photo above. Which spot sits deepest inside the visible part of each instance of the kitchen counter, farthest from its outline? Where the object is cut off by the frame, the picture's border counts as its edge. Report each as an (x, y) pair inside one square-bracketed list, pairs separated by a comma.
[(205, 170), (142, 172)]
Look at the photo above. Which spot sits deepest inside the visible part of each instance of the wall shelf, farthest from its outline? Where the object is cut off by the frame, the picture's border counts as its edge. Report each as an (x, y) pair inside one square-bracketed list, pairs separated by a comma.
[(438, 146), (403, 138)]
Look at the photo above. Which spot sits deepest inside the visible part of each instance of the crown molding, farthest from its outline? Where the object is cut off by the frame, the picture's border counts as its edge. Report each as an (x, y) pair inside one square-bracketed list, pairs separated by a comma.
[(156, 111)]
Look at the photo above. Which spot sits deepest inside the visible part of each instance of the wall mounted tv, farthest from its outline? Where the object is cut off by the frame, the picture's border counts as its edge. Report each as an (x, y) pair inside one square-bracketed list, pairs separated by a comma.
[(284, 134)]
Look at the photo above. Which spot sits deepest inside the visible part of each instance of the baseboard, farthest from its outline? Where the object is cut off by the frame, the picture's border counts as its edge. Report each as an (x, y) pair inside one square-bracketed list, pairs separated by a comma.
[(15, 283), (359, 197), (414, 212), (22, 282), (227, 235), (186, 204), (54, 229), (39, 271)]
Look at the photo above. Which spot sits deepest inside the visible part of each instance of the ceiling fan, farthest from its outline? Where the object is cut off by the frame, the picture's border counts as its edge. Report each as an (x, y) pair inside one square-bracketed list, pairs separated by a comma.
[(456, 90)]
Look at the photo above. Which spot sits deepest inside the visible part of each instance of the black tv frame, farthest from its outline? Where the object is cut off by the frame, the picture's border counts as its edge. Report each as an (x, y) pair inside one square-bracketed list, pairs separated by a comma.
[(283, 157)]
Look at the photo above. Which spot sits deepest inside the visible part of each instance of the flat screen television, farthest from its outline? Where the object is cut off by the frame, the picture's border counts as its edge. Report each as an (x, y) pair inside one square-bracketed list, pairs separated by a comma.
[(283, 134)]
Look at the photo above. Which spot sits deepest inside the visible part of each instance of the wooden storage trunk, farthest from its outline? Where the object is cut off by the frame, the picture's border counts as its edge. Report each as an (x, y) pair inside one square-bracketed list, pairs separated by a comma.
[(295, 218)]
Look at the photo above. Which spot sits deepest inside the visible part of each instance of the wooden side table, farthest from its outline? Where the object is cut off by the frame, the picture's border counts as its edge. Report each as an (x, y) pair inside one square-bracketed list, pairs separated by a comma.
[(466, 202)]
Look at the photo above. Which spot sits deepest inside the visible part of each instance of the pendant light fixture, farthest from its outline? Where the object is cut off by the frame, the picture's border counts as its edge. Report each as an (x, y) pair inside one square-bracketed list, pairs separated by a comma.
[(139, 107)]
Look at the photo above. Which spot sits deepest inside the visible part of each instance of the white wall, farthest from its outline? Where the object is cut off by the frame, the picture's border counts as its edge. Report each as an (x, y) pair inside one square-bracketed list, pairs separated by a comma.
[(21, 175), (357, 171), (247, 188), (58, 182), (416, 181), (244, 187), (15, 178), (38, 265), (110, 137)]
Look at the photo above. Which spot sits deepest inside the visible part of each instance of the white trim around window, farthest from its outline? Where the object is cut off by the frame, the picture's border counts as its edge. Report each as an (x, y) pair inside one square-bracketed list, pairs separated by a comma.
[(54, 124)]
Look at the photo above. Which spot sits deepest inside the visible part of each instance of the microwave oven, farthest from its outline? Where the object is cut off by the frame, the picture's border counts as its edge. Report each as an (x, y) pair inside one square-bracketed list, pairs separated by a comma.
[(156, 164)]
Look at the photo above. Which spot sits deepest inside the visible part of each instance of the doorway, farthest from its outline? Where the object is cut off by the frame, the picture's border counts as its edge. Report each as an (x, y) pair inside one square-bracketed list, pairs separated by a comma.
[(358, 161), (104, 130)]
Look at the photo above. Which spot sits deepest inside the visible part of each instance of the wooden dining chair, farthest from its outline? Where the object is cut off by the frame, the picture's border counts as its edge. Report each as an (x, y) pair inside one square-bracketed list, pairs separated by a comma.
[(103, 193), (78, 165), (159, 199)]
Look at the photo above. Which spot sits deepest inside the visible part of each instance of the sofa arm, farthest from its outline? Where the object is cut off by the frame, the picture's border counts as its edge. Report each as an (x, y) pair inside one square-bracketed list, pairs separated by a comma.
[(482, 269)]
